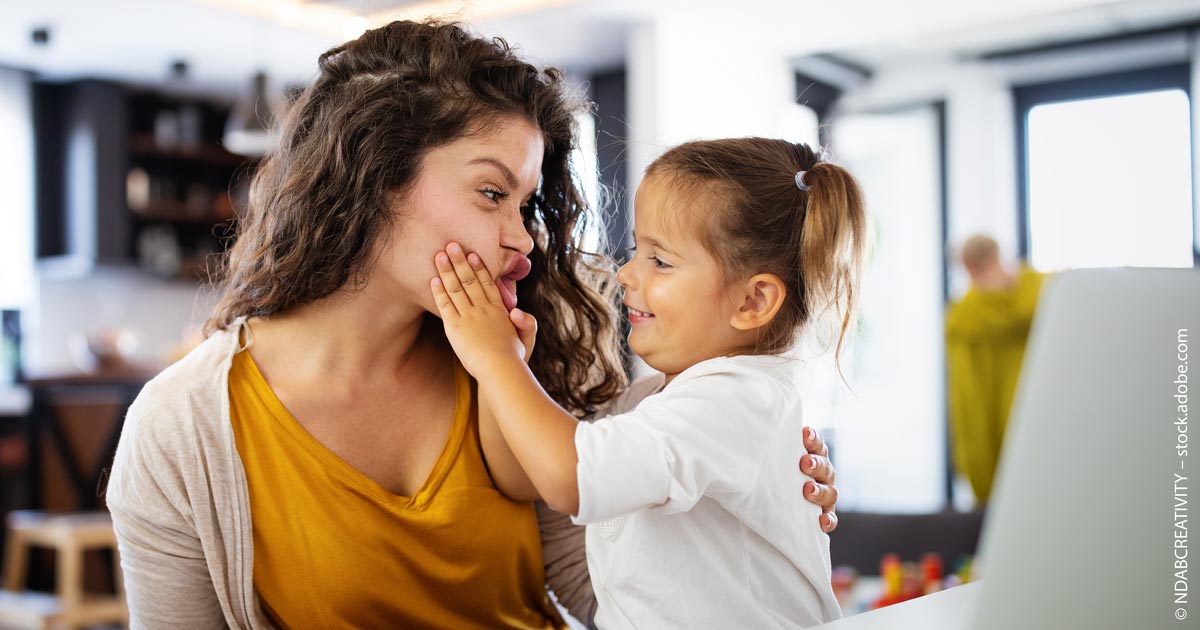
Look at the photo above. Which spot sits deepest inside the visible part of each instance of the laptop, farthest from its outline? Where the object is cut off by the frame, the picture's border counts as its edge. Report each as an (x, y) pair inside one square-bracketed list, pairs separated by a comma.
[(1090, 522), (1083, 530)]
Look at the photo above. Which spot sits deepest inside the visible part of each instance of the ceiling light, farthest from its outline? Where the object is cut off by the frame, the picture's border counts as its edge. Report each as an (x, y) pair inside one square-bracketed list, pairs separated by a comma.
[(249, 130)]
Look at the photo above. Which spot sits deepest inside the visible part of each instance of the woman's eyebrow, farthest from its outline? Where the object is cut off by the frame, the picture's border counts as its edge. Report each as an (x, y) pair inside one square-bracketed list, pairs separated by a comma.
[(504, 170)]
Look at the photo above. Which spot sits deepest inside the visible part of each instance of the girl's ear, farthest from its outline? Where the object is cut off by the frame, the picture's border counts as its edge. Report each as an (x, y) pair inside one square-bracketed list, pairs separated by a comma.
[(761, 298)]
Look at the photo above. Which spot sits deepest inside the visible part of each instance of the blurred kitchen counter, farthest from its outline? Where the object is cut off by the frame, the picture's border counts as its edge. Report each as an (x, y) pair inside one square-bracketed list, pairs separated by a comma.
[(73, 424)]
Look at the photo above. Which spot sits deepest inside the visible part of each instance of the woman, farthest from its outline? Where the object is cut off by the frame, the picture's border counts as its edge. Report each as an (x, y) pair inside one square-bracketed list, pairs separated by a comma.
[(319, 460)]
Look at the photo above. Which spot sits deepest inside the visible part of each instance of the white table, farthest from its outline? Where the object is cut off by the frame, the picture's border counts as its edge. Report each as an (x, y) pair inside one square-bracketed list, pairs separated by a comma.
[(950, 609)]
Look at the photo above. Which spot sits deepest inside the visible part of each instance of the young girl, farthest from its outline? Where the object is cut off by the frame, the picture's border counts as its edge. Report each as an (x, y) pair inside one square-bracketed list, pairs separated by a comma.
[(694, 515)]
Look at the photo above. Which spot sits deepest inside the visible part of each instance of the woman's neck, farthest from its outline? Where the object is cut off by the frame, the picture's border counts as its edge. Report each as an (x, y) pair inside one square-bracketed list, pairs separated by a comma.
[(350, 334)]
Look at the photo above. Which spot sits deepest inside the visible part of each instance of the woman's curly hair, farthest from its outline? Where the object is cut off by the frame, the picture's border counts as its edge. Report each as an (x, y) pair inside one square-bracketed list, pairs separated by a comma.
[(355, 138)]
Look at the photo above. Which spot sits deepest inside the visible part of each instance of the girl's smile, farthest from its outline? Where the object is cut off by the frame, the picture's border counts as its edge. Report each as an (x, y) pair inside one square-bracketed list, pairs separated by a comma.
[(683, 304), (638, 317)]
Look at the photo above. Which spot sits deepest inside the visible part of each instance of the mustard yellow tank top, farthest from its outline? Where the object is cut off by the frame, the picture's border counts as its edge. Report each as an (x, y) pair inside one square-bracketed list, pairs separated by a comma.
[(334, 549)]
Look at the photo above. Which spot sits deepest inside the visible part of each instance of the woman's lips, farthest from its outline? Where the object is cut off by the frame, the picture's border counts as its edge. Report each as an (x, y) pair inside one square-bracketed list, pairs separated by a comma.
[(507, 284)]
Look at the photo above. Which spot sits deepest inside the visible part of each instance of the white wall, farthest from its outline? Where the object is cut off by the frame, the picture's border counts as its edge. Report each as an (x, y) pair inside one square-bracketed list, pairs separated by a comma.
[(16, 189), (691, 78), (161, 312)]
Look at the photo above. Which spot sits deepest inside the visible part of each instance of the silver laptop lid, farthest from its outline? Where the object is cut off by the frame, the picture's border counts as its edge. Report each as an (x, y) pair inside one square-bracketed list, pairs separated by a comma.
[(1099, 471)]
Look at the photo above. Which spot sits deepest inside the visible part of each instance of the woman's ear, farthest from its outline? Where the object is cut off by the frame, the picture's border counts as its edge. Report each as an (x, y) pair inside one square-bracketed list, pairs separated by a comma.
[(760, 299)]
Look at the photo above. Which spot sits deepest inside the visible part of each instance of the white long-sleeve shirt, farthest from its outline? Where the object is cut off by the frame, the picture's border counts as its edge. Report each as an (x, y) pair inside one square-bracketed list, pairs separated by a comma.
[(694, 503)]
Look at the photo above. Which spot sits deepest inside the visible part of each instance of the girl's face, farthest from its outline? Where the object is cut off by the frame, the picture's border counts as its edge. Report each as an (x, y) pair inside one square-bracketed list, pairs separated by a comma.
[(470, 191), (680, 307)]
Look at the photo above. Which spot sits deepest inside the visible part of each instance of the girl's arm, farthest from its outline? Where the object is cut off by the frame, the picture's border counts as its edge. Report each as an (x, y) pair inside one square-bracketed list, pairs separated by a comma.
[(503, 466), (506, 471), (540, 433)]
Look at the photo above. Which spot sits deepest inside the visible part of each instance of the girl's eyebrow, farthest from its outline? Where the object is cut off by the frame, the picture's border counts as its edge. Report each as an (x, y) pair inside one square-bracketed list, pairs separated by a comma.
[(655, 242)]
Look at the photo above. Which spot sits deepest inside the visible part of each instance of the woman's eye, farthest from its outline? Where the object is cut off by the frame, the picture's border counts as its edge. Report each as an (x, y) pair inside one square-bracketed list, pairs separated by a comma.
[(495, 195)]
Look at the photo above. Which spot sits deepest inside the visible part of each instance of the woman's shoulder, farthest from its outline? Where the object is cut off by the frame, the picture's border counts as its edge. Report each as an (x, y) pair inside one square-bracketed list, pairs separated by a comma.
[(184, 398), (202, 372), (175, 438)]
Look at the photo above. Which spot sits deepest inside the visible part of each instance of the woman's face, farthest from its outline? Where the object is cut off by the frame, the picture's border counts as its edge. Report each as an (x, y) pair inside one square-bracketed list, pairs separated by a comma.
[(470, 191)]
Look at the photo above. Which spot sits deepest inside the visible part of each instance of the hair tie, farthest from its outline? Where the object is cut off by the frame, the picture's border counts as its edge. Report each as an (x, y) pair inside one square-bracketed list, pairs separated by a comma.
[(800, 181)]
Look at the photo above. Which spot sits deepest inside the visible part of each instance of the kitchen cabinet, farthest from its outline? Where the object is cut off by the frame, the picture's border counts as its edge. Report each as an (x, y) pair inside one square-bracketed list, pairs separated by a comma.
[(129, 176)]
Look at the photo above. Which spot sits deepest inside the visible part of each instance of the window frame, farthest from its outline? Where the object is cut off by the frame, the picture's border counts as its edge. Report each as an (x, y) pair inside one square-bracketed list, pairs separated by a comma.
[(1030, 95)]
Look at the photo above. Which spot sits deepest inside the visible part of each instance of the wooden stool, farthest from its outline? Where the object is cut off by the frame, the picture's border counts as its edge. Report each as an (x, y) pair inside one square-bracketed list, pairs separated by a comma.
[(69, 535)]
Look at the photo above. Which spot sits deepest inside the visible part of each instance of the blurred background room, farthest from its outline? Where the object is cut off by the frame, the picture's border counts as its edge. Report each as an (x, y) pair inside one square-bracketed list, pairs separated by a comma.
[(996, 143)]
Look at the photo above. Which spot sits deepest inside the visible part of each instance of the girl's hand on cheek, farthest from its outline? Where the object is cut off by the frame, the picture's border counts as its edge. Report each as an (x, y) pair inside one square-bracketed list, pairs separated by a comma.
[(472, 311)]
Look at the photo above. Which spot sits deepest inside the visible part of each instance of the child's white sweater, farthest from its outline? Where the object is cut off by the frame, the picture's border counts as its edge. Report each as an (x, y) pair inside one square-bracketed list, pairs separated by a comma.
[(694, 503)]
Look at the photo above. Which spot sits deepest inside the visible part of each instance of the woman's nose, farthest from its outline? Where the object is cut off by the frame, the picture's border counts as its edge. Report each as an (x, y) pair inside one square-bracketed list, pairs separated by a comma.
[(513, 234)]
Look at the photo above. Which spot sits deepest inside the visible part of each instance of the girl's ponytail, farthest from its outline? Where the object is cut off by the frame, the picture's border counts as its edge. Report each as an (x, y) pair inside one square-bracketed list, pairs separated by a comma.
[(831, 242)]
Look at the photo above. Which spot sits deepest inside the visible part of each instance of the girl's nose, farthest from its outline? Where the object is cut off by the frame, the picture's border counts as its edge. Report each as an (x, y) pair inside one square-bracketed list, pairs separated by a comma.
[(625, 275)]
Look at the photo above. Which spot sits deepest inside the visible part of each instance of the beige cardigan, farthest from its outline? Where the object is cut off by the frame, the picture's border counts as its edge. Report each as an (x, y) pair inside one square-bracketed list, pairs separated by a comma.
[(181, 509)]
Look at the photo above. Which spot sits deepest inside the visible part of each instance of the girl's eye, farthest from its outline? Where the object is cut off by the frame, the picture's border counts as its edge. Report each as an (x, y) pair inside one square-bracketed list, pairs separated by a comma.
[(658, 262), (495, 195)]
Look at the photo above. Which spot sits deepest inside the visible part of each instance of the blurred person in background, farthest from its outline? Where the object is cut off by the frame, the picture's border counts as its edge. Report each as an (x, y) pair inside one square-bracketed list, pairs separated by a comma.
[(986, 333)]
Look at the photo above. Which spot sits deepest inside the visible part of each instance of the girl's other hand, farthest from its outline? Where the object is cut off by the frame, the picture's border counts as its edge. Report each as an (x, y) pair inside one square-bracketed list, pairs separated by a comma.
[(473, 314), (822, 490), (526, 327)]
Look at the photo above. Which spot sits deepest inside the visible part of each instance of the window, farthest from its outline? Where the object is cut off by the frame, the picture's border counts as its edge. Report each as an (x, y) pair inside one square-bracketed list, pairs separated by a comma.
[(586, 173), (889, 430), (1106, 179)]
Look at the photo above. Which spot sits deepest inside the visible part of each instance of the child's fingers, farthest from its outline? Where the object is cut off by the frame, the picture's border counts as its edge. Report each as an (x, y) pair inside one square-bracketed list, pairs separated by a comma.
[(441, 299), (466, 275), (819, 468), (453, 288), (814, 443), (524, 322), (821, 494), (485, 279), (526, 326)]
